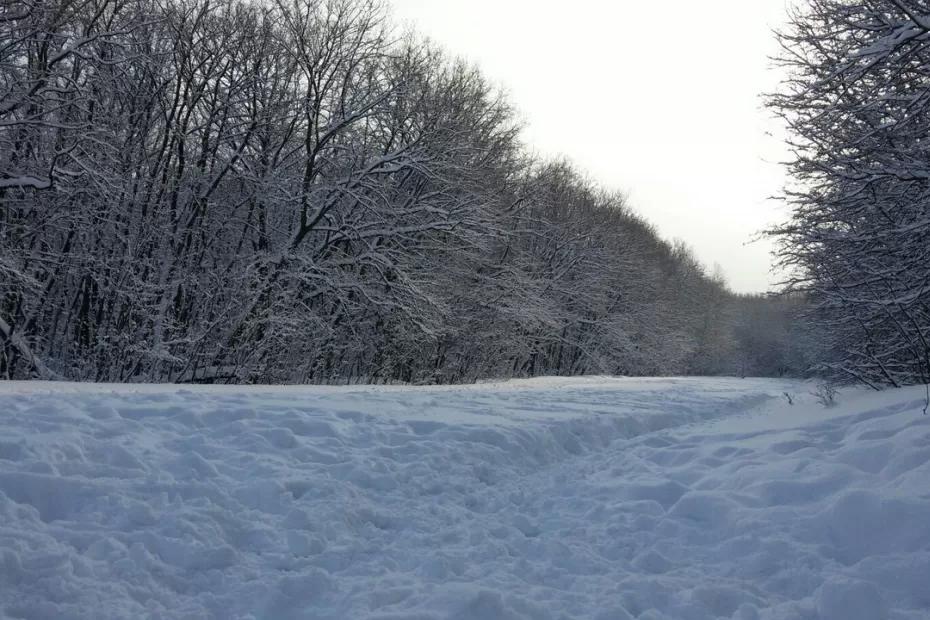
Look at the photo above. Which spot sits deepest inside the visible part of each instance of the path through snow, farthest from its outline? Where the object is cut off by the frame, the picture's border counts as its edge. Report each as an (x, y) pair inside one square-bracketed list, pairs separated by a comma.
[(603, 499)]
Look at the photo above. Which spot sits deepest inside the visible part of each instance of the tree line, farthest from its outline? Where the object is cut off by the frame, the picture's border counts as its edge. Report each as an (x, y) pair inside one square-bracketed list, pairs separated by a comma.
[(292, 191), (856, 101)]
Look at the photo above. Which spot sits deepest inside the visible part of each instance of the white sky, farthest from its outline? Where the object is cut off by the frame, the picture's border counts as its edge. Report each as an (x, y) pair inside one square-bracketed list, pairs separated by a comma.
[(658, 99)]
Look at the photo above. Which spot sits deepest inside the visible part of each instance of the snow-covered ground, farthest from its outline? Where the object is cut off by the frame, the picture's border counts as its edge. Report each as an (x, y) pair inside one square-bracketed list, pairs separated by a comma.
[(602, 499)]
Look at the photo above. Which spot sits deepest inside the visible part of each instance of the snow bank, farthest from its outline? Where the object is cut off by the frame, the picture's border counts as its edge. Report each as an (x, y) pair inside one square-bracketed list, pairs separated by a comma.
[(552, 499)]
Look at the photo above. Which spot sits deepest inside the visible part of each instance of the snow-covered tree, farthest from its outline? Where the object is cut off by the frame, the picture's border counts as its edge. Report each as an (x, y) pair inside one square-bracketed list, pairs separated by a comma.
[(287, 191), (857, 104)]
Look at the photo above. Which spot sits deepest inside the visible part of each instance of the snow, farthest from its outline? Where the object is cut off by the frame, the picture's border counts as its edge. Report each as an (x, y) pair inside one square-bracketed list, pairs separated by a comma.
[(602, 499)]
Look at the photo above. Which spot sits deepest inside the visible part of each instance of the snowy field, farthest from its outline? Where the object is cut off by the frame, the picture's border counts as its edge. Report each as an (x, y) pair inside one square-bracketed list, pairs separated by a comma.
[(602, 499)]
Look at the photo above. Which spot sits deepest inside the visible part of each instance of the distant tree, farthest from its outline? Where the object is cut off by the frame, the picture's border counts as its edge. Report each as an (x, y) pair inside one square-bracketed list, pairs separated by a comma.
[(771, 337)]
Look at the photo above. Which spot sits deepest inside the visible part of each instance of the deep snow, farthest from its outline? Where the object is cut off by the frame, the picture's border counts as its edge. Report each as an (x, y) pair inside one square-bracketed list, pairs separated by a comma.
[(602, 499)]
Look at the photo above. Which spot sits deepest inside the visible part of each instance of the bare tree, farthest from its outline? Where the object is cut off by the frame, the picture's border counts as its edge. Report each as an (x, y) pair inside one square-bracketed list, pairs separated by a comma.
[(287, 191), (856, 103)]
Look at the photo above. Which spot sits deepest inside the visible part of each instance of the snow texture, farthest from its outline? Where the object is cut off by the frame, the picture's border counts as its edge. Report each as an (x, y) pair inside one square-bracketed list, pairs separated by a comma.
[(602, 499)]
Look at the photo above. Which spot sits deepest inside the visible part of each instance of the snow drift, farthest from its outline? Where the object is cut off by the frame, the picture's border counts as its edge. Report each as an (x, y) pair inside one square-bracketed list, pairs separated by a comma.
[(556, 499)]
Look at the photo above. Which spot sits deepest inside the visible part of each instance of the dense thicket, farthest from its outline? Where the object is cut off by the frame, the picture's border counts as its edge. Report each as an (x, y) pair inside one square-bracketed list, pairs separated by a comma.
[(196, 190), (858, 105)]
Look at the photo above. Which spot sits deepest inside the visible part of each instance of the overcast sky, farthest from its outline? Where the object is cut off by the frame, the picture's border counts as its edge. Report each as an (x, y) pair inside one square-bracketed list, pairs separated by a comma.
[(658, 99)]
